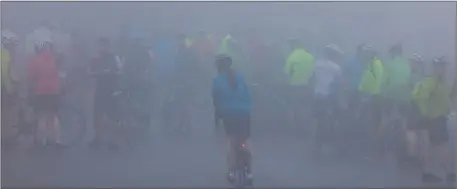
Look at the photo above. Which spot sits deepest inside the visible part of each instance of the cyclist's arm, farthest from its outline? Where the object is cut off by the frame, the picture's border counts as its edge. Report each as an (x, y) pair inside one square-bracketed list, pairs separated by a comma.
[(341, 84), (91, 70), (214, 95), (119, 65), (312, 79), (288, 69), (248, 93), (31, 76), (378, 71), (454, 91), (422, 90)]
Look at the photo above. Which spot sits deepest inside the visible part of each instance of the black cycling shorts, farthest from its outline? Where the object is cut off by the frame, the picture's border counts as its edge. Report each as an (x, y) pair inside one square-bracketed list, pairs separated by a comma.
[(389, 105), (238, 126), (299, 96), (415, 118), (106, 105), (437, 130), (323, 105), (45, 104), (323, 108)]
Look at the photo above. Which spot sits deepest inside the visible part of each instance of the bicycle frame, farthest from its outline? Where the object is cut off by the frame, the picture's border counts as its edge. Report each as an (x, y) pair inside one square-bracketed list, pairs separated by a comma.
[(241, 155)]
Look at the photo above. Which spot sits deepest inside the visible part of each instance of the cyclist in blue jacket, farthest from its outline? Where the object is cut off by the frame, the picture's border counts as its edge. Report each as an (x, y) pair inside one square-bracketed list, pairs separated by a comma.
[(232, 102)]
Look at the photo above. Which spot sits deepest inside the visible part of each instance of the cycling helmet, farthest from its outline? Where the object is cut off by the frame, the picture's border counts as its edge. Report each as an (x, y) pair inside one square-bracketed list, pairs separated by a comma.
[(223, 57), (9, 37), (367, 52), (41, 43), (417, 58), (293, 40), (366, 48), (334, 48), (223, 60), (397, 48), (439, 61)]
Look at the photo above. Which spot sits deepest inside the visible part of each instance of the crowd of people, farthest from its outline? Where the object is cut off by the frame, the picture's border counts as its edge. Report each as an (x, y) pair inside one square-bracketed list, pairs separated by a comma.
[(324, 92)]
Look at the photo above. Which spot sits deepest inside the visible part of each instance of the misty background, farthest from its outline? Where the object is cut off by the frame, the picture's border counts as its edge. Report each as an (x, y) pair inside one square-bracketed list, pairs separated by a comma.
[(424, 27), (428, 28)]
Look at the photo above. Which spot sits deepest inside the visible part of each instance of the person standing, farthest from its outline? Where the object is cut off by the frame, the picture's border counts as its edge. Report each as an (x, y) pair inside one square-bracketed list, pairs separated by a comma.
[(433, 99), (106, 71), (44, 83)]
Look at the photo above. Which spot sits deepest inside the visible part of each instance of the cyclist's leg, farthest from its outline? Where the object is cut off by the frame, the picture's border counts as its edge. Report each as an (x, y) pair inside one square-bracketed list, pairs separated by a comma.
[(186, 99), (439, 145), (352, 121), (230, 132), (40, 112), (245, 132), (146, 117), (217, 120), (98, 118), (412, 130), (318, 117), (376, 127), (238, 131), (52, 119), (324, 128), (365, 125), (291, 101), (8, 131), (112, 128)]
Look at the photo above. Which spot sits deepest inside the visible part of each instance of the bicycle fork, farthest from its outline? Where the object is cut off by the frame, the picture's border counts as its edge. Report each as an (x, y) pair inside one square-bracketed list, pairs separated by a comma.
[(243, 166)]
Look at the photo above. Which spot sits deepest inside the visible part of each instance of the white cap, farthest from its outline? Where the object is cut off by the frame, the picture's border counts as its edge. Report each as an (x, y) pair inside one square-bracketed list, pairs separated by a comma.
[(9, 35)]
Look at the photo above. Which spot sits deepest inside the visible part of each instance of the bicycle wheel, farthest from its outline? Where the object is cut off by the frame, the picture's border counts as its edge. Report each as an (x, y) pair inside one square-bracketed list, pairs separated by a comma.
[(72, 125), (20, 128)]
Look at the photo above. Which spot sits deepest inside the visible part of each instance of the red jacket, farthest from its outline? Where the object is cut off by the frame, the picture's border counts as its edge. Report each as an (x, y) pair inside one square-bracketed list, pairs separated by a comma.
[(43, 74)]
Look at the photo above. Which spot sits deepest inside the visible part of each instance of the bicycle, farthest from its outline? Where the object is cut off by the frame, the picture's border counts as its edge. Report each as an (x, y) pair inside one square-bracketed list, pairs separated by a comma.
[(124, 123), (325, 124), (394, 139), (364, 128), (241, 171), (72, 123), (72, 120)]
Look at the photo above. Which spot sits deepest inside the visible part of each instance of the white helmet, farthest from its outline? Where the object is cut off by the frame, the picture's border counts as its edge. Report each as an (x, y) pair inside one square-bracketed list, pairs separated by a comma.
[(9, 36), (335, 48), (417, 58), (40, 43)]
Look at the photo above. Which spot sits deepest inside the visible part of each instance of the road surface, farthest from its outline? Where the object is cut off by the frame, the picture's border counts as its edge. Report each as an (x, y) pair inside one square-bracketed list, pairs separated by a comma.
[(197, 161), (280, 159)]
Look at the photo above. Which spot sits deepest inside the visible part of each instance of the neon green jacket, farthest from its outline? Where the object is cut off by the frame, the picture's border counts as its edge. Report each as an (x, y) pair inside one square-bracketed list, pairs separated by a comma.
[(189, 41), (224, 48), (432, 98), (372, 78), (397, 78), (5, 66), (299, 67)]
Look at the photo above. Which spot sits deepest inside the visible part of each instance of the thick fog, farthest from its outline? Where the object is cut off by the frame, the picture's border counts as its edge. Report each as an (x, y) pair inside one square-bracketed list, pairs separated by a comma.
[(428, 28), (424, 27)]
